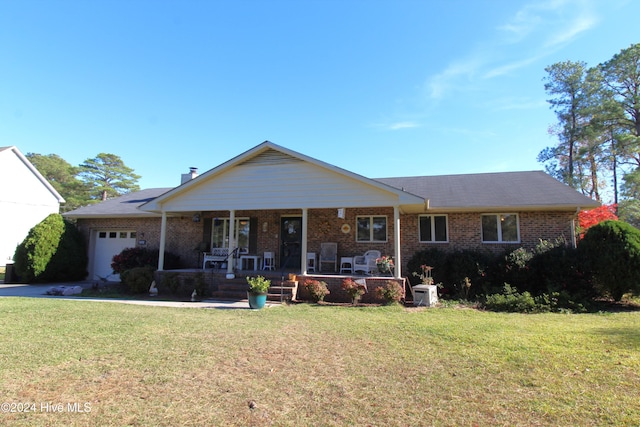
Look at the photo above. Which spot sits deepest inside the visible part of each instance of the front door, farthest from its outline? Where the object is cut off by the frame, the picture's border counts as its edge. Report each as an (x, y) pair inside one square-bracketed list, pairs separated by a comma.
[(291, 242)]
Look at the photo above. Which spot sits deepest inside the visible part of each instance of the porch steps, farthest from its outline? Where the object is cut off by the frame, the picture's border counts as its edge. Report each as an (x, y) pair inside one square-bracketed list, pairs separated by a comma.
[(237, 289), (286, 292)]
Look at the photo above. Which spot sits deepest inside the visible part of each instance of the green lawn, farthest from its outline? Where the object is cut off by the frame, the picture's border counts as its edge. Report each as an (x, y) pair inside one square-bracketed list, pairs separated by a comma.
[(308, 365)]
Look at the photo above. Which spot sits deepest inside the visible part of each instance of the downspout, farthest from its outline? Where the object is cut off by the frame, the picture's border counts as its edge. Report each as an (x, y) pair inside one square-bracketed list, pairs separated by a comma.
[(303, 249), (574, 241), (163, 240), (397, 272)]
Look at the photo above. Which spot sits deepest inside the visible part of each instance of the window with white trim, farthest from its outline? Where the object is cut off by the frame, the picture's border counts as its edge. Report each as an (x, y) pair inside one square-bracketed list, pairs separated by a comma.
[(500, 228), (433, 228), (371, 228), (220, 233)]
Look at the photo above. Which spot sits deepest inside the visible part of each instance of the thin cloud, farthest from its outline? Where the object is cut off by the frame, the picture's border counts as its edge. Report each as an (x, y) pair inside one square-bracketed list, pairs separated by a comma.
[(513, 104), (441, 83), (579, 25), (535, 31), (508, 68), (403, 125)]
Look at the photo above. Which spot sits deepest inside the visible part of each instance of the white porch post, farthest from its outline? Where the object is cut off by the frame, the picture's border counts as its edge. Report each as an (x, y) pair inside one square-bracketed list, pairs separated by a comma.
[(163, 240), (303, 249), (232, 244), (396, 242)]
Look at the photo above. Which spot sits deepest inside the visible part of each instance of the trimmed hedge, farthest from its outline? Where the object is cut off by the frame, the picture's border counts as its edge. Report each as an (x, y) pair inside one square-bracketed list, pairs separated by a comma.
[(611, 252)]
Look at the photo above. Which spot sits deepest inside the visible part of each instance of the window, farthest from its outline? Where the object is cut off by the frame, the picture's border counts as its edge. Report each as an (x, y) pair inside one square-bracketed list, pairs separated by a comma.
[(371, 229), (433, 228), (220, 233), (500, 228)]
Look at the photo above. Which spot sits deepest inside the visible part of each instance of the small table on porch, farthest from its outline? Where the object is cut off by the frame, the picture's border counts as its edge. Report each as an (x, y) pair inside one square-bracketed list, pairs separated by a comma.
[(257, 260)]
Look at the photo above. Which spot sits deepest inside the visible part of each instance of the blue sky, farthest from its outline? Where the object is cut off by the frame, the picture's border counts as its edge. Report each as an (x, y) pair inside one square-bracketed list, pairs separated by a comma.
[(382, 88)]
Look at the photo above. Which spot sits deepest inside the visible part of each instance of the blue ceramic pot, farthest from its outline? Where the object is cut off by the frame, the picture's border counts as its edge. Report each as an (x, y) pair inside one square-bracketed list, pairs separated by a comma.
[(257, 300)]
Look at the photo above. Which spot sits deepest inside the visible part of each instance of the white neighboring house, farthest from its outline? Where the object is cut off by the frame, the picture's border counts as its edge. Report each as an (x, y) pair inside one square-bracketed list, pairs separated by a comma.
[(26, 198)]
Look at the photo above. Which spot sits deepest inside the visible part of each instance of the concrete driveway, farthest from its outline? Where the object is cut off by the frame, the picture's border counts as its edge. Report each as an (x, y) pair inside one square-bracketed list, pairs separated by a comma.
[(39, 291)]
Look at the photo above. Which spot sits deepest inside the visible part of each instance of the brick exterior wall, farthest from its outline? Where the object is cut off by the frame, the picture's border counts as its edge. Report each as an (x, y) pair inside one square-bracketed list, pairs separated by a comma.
[(187, 238)]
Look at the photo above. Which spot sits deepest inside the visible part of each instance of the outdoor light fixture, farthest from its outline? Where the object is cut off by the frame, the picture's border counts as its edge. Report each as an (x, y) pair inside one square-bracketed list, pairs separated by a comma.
[(196, 218)]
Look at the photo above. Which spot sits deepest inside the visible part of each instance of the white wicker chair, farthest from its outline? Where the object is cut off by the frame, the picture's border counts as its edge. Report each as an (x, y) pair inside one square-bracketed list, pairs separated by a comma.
[(367, 262)]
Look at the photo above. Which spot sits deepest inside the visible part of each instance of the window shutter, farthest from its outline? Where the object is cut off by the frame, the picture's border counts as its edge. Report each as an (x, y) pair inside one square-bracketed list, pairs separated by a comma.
[(253, 235)]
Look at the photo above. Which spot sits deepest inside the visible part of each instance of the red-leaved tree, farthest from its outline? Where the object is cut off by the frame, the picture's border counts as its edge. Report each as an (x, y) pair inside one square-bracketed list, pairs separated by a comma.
[(595, 216)]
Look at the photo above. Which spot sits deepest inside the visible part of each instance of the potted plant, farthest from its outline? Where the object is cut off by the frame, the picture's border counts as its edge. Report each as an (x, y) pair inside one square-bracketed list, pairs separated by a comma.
[(257, 293), (385, 264)]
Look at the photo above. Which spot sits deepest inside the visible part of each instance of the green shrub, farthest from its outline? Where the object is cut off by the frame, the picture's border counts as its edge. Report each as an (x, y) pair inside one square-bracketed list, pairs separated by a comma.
[(611, 250), (452, 270), (141, 257), (317, 289), (53, 251), (511, 300), (559, 270), (354, 289), (138, 280), (435, 258), (172, 282), (200, 285), (390, 292), (464, 268), (550, 267)]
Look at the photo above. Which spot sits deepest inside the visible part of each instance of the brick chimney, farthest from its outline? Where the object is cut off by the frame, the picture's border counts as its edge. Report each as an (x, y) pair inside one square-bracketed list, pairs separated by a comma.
[(193, 172)]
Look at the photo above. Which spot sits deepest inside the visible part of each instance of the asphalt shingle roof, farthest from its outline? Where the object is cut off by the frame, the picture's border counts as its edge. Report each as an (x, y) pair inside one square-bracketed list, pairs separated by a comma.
[(126, 205), (517, 190), (533, 189)]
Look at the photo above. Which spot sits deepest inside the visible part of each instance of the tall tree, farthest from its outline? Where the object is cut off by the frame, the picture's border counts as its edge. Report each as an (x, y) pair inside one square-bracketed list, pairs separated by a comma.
[(598, 129), (63, 177), (622, 76), (565, 82), (108, 176)]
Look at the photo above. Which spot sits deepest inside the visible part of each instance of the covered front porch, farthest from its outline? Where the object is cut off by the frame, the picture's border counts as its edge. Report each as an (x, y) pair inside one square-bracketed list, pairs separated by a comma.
[(271, 200)]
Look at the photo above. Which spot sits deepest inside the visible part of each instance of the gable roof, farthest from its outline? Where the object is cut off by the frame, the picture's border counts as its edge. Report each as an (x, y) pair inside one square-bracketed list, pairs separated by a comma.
[(533, 190), (227, 185), (124, 206), (13, 149), (269, 176)]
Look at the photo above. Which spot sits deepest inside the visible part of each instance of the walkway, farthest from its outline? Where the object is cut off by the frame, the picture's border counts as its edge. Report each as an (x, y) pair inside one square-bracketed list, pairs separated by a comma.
[(39, 291)]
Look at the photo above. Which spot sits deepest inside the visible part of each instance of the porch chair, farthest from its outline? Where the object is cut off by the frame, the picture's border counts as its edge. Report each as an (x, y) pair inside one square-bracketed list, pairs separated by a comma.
[(328, 255), (311, 261), (367, 262), (268, 261), (217, 255)]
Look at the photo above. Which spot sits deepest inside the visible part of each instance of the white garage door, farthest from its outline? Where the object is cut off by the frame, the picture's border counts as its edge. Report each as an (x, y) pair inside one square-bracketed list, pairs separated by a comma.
[(108, 244)]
